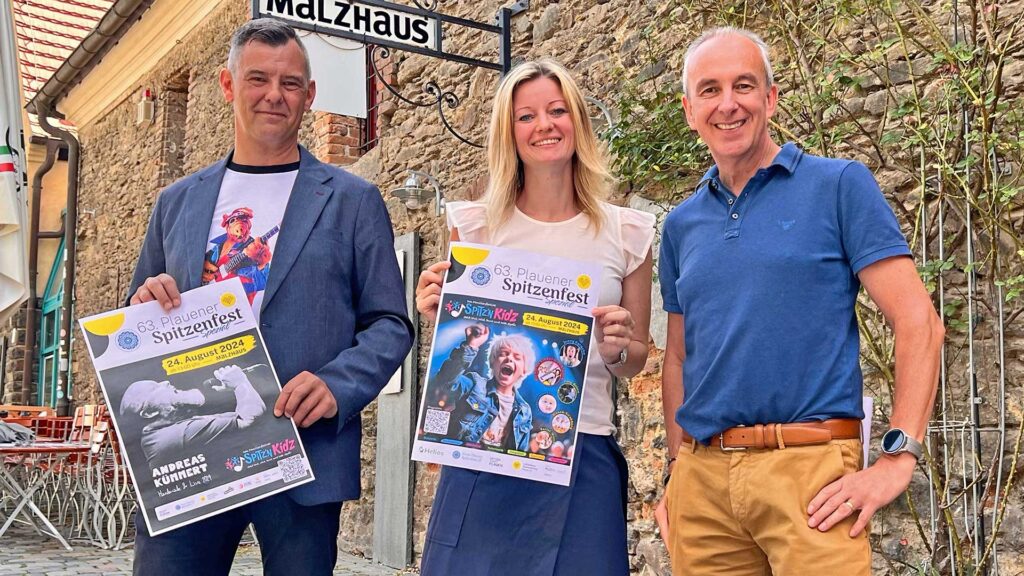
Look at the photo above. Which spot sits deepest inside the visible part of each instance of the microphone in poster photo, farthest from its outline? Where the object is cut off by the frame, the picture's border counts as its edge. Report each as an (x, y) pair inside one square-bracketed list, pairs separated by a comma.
[(486, 405), (217, 385), (498, 394)]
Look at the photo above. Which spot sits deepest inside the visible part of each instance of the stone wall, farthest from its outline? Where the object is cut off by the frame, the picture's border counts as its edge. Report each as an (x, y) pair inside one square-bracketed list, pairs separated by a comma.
[(13, 358), (126, 164), (52, 201), (602, 41)]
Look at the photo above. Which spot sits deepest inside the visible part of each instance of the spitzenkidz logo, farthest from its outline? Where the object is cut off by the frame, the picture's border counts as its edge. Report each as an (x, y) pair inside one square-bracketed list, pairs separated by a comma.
[(481, 311), (255, 456), (454, 307), (480, 276), (127, 340)]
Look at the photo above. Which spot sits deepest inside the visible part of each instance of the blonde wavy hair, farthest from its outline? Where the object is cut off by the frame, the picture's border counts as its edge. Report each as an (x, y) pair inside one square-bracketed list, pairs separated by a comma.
[(591, 177)]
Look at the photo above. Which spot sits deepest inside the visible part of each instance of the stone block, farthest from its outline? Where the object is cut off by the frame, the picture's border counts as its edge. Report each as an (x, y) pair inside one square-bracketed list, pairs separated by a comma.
[(651, 71), (1011, 530), (890, 180), (854, 105), (876, 103), (655, 556), (630, 44), (523, 29), (547, 24), (343, 139)]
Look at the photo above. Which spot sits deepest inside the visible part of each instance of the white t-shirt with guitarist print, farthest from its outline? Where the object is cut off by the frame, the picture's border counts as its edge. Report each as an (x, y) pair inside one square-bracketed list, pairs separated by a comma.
[(246, 224)]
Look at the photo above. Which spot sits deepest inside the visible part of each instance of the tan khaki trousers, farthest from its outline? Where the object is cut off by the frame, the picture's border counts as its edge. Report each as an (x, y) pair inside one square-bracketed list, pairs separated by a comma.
[(745, 513)]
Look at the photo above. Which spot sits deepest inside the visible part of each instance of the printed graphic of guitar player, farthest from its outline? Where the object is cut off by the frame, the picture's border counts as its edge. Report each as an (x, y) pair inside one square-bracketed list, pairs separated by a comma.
[(238, 253)]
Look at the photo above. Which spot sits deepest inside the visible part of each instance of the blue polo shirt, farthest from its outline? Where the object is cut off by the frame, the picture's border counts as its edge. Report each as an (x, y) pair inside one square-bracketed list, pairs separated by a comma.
[(767, 282)]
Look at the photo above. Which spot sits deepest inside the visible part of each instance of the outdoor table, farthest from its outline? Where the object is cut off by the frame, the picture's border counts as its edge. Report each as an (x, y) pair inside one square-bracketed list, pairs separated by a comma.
[(9, 483)]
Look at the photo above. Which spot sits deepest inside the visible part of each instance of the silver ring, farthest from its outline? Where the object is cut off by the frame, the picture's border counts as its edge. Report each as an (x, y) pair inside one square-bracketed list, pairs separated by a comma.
[(850, 504)]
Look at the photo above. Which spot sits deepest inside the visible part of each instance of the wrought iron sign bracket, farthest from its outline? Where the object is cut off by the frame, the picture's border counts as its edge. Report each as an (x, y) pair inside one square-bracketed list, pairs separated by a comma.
[(419, 29), (516, 8)]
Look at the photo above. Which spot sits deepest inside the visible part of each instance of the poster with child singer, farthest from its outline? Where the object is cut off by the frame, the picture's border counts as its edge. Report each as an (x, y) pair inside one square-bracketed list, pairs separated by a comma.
[(508, 362), (191, 392)]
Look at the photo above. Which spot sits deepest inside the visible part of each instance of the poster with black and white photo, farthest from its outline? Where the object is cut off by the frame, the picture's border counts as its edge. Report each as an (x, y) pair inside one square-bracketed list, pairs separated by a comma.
[(191, 394)]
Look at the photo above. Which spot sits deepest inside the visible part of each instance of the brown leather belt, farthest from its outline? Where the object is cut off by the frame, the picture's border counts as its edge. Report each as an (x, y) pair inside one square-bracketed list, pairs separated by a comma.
[(771, 436)]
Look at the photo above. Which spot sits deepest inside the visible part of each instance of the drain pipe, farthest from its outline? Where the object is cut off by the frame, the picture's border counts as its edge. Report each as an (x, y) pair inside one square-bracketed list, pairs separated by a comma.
[(44, 109), (52, 149), (121, 15)]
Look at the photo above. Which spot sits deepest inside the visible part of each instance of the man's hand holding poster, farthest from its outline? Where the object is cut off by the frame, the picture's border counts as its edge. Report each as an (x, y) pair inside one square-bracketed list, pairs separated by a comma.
[(191, 393), (508, 363)]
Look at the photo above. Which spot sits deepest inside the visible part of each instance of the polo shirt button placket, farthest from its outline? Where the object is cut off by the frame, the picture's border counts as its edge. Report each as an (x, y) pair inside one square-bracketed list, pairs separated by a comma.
[(732, 227)]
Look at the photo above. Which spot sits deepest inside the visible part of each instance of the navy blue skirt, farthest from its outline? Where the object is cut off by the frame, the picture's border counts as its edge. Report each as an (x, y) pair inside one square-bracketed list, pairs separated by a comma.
[(487, 524)]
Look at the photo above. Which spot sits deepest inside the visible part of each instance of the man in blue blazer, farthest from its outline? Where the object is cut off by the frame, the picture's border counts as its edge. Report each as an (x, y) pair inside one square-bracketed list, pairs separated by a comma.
[(332, 311)]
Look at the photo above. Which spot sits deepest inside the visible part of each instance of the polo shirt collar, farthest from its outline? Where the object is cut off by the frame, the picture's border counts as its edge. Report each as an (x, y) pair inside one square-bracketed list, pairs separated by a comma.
[(787, 159)]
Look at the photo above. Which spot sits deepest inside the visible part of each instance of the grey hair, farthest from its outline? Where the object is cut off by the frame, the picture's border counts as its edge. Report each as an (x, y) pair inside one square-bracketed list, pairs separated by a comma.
[(516, 342), (265, 31), (725, 31)]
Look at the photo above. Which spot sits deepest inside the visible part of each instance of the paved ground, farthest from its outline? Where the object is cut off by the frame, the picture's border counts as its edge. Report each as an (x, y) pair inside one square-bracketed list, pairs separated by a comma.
[(25, 553)]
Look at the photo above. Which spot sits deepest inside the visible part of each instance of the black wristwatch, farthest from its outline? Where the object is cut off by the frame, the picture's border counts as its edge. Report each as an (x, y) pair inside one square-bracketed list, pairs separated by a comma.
[(668, 473), (896, 442)]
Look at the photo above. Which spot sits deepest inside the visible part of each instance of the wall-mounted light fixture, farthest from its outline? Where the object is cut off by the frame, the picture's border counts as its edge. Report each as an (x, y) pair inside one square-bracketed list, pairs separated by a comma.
[(416, 192), (147, 108)]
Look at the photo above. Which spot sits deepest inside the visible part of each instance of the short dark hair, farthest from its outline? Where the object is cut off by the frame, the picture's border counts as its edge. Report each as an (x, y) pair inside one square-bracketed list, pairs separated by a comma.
[(267, 31)]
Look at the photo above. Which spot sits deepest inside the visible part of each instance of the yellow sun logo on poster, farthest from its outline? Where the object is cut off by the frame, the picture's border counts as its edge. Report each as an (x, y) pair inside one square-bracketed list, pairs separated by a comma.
[(227, 299), (517, 465), (106, 325), (583, 281), (469, 255)]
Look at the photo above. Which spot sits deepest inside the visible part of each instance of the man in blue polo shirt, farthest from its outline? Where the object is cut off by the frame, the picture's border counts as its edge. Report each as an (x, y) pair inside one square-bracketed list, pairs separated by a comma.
[(760, 271)]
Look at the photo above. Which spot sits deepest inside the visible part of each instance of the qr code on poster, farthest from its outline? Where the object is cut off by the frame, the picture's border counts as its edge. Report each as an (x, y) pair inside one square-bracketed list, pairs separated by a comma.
[(293, 468), (436, 421)]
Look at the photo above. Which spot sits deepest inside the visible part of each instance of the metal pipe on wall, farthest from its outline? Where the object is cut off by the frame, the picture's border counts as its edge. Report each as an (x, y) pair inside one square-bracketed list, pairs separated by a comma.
[(92, 48), (44, 110), (52, 149)]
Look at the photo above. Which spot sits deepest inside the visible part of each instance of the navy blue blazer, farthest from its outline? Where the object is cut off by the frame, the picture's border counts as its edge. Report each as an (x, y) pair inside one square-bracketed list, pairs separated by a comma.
[(334, 303)]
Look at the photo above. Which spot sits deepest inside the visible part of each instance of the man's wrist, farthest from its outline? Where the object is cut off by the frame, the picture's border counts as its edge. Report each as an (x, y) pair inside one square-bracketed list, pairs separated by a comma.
[(669, 464), (903, 461), (897, 441)]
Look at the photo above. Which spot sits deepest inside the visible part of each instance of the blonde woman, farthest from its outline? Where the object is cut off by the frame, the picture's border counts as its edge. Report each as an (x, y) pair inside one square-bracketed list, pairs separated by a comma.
[(547, 179)]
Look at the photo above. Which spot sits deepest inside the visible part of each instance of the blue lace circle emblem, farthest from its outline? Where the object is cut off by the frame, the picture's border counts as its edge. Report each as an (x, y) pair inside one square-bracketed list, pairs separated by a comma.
[(127, 340), (481, 276)]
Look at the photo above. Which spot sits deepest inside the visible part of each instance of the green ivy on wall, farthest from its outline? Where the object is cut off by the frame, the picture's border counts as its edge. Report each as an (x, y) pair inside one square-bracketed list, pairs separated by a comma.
[(652, 146)]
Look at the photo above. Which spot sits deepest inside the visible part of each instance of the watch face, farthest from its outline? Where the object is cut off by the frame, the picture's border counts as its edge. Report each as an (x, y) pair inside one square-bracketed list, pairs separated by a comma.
[(893, 441)]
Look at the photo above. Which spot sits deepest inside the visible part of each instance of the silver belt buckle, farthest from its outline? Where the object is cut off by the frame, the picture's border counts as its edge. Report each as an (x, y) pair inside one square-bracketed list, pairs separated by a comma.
[(724, 448)]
